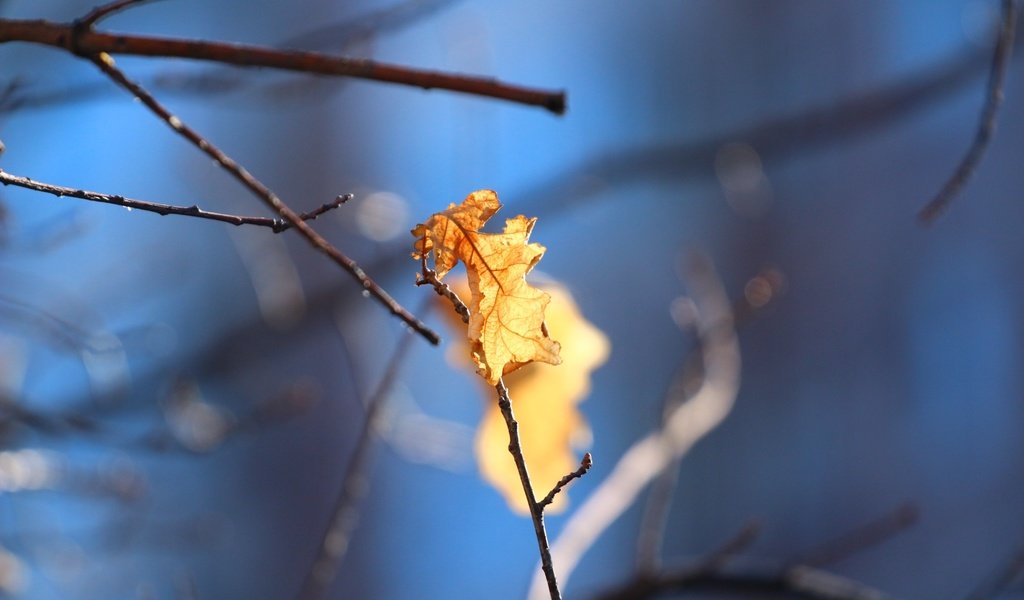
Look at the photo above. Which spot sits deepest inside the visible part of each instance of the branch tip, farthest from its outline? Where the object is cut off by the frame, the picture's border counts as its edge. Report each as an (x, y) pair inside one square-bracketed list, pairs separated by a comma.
[(585, 464)]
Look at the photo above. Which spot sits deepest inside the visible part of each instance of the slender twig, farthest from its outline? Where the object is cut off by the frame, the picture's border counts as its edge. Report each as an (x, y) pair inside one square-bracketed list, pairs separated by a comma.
[(585, 464), (45, 424), (861, 538), (106, 10), (536, 511), (654, 523), (739, 542), (106, 64), (87, 42), (277, 225), (649, 583), (323, 208), (345, 511), (429, 277), (1001, 578), (987, 124)]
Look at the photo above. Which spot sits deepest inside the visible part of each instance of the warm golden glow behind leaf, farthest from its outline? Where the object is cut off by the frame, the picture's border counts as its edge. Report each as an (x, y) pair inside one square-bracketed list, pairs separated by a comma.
[(545, 400), (507, 314)]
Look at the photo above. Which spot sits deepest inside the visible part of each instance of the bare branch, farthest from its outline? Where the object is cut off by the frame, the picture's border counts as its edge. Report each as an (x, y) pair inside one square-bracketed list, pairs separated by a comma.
[(84, 41), (536, 510), (585, 464), (730, 548), (106, 64), (429, 277), (870, 534), (1001, 578), (801, 582), (650, 583), (987, 126), (277, 225), (345, 512)]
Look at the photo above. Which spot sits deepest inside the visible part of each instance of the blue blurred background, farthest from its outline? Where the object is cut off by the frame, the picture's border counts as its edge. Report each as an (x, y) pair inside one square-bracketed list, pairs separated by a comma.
[(188, 392)]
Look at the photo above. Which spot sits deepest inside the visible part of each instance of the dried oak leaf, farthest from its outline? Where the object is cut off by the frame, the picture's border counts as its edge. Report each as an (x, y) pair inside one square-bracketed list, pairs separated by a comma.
[(506, 326)]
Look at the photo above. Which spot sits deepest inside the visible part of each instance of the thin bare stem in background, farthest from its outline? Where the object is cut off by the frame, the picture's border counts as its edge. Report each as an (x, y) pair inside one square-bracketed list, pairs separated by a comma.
[(987, 126), (83, 40), (801, 582), (690, 422), (107, 10), (1001, 579), (850, 117), (796, 578), (739, 542), (277, 225), (345, 512), (106, 64), (858, 540)]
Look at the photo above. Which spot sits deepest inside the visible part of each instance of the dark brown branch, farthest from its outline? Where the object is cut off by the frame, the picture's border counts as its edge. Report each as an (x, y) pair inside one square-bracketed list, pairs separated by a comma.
[(800, 582), (345, 511), (650, 582), (106, 64), (86, 42), (987, 125), (536, 511), (277, 225), (585, 464)]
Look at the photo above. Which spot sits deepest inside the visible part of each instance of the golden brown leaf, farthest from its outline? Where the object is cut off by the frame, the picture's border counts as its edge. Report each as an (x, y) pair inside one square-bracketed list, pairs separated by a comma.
[(506, 327)]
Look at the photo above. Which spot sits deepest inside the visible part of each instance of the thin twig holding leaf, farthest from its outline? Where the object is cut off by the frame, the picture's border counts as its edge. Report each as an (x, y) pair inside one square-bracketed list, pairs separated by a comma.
[(505, 317)]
